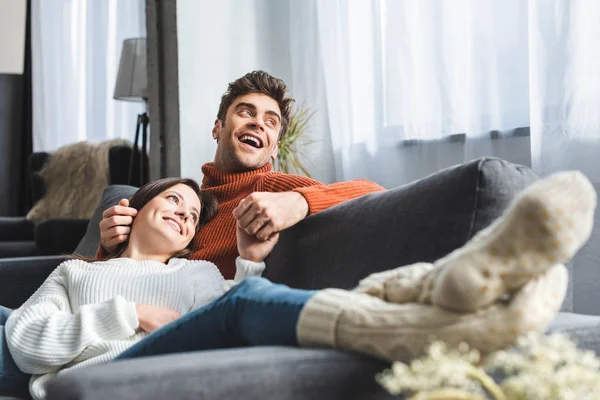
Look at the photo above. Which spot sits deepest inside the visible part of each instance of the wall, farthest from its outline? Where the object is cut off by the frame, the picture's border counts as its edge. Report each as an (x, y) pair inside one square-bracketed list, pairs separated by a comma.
[(12, 36), (12, 50), (206, 66)]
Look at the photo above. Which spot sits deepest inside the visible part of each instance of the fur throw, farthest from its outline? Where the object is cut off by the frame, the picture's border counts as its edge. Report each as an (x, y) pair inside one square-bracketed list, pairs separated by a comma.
[(75, 176)]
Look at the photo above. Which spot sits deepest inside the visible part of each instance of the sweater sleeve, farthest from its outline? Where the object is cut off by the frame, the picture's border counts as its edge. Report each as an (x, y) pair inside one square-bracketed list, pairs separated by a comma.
[(318, 195), (44, 333), (244, 269)]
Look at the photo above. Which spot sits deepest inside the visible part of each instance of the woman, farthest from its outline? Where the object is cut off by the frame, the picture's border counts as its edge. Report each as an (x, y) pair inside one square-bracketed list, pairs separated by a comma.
[(505, 282)]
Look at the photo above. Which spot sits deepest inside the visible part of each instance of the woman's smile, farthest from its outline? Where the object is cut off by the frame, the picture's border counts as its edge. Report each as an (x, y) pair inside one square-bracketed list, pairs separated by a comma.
[(174, 224)]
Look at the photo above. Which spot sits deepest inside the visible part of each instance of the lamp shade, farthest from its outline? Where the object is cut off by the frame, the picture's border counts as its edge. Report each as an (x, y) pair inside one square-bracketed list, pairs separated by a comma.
[(132, 79)]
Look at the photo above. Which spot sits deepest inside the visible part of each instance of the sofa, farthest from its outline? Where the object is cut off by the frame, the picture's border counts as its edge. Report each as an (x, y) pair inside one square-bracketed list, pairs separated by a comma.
[(421, 221)]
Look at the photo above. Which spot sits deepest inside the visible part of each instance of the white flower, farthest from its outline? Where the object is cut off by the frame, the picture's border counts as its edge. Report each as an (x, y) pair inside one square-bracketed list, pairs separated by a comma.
[(538, 367), (442, 368)]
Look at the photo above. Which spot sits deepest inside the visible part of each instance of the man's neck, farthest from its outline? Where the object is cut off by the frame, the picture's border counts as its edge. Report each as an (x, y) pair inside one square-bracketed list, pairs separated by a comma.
[(214, 176)]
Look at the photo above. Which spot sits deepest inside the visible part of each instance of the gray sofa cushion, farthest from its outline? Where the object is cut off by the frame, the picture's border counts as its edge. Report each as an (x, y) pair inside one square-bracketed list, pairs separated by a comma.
[(582, 329), (421, 221), (244, 373), (257, 373), (110, 197)]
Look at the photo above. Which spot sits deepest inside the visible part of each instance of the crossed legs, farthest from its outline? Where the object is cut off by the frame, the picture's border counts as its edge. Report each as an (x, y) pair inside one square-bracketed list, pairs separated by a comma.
[(507, 281)]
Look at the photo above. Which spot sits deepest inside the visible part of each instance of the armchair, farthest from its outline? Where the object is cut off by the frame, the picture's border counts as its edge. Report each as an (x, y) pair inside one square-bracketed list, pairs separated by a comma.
[(20, 237)]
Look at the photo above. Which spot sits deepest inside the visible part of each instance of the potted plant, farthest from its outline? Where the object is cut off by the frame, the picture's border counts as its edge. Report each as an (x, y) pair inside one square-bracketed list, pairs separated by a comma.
[(290, 158)]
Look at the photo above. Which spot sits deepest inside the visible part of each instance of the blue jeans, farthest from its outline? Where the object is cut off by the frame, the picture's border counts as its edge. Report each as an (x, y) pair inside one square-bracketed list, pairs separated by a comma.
[(253, 313), (11, 377)]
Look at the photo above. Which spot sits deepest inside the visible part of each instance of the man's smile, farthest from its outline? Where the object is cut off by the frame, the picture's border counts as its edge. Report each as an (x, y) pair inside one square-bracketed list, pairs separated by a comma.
[(251, 140)]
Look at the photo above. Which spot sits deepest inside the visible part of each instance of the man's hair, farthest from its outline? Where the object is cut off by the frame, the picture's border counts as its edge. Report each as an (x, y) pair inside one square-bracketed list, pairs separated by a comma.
[(259, 82)]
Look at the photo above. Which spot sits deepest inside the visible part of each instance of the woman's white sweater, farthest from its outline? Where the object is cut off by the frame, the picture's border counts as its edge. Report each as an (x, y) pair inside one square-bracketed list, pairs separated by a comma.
[(85, 313)]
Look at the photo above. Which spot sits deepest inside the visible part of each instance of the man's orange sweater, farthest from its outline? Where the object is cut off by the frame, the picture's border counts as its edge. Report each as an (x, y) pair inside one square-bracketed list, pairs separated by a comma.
[(217, 242)]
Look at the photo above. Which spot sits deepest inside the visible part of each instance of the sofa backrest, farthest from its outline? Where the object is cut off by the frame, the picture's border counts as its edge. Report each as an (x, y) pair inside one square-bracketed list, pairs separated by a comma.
[(418, 222), (421, 221)]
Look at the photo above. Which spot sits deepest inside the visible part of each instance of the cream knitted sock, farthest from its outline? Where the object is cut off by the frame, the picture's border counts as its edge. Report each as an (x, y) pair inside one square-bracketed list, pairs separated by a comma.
[(399, 285), (369, 325), (545, 225)]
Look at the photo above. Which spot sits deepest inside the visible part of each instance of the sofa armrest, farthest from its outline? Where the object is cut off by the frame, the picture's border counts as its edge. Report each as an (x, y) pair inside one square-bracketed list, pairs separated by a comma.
[(267, 373), (16, 229), (59, 235), (21, 277)]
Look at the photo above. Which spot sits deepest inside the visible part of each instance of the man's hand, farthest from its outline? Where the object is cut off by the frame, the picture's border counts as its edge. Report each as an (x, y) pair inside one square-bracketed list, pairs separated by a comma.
[(152, 317), (263, 214), (116, 225), (254, 249)]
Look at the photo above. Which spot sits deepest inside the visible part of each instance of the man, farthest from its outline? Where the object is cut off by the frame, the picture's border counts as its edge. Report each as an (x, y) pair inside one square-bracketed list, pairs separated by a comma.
[(253, 116)]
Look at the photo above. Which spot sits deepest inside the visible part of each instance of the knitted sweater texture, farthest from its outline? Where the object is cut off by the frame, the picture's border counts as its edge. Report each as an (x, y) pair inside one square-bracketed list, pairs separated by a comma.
[(85, 313), (217, 243)]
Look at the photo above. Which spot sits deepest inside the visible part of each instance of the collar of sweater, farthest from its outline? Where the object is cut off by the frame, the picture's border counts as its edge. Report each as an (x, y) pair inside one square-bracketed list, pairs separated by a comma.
[(130, 262), (215, 177)]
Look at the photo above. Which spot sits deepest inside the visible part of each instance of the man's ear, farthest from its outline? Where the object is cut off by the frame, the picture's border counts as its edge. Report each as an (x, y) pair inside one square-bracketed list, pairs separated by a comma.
[(216, 130), (275, 151)]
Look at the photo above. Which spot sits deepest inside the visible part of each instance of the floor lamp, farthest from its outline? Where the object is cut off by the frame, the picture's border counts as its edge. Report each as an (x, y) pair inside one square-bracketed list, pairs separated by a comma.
[(132, 85)]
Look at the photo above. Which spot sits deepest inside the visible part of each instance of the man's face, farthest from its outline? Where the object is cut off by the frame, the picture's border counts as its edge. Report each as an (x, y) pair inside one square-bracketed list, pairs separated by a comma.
[(249, 136)]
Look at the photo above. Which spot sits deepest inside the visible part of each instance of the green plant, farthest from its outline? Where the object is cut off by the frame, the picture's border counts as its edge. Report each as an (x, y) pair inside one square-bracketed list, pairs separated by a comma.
[(290, 158)]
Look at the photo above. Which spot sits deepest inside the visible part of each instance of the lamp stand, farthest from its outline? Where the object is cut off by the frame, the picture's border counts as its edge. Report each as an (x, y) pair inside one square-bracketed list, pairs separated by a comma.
[(142, 121)]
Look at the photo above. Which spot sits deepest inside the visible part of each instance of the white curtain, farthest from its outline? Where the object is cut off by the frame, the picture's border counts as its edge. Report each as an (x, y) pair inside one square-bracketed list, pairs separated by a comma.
[(565, 85), (403, 88), (414, 86), (76, 45)]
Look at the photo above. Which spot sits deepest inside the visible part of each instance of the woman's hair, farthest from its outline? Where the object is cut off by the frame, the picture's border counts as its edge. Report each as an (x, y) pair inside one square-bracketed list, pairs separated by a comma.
[(152, 189)]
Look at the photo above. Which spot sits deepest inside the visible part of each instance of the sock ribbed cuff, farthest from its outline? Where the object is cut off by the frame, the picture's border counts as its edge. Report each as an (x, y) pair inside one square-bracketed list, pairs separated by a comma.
[(319, 318)]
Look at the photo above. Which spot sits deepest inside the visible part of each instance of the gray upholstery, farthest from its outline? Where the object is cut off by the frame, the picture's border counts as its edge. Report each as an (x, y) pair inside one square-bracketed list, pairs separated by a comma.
[(244, 373), (582, 329), (257, 373), (421, 221), (20, 277)]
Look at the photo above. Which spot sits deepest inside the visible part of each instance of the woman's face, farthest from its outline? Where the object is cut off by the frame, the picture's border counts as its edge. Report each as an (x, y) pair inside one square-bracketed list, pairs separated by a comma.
[(168, 221)]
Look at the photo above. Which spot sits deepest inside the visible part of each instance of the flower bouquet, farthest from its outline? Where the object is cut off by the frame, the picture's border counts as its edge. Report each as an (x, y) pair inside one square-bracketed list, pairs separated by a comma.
[(538, 367)]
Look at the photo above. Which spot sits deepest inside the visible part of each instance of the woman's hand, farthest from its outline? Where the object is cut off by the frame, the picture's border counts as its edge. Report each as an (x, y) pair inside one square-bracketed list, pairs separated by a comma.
[(116, 225), (152, 317), (252, 248)]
